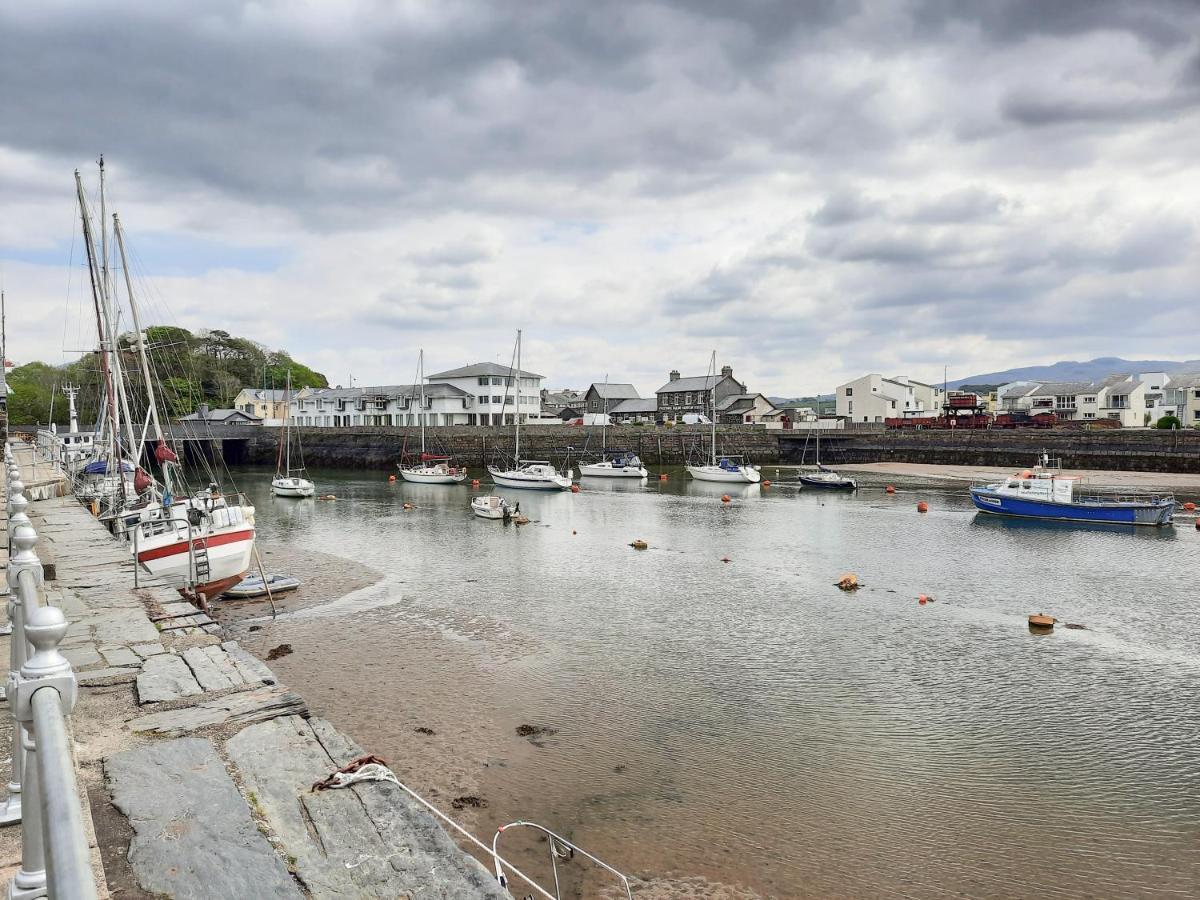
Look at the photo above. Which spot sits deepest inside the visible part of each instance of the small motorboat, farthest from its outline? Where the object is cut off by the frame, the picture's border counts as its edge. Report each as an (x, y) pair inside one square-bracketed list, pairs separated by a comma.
[(256, 586), (491, 507), (827, 478)]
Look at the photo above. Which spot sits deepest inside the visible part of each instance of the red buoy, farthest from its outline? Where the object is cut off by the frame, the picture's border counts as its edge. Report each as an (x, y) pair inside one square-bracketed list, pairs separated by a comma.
[(766, 484), (1189, 506), (391, 478), (922, 600), (662, 476), (474, 482), (889, 489), (574, 489), (724, 498), (922, 506)]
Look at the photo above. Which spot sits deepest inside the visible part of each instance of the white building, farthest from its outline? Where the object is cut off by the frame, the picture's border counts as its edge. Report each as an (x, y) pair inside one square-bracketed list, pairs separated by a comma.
[(494, 393), (1182, 399), (1132, 400), (482, 394), (873, 398)]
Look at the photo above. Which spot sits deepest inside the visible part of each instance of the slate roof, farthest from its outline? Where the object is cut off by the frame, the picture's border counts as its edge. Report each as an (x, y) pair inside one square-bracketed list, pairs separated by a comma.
[(615, 391), (219, 415), (740, 401), (388, 391), (266, 395), (635, 405), (697, 383), (477, 369)]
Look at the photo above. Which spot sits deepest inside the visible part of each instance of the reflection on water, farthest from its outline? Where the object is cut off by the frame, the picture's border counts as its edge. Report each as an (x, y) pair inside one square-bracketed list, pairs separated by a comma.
[(744, 728)]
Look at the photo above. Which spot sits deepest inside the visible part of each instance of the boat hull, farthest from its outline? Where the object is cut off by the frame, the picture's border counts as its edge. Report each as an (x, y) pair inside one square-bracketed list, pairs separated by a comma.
[(249, 588), (530, 482), (741, 475), (840, 484), (489, 508), (229, 555), (1156, 513), (415, 476), (604, 470), (292, 487)]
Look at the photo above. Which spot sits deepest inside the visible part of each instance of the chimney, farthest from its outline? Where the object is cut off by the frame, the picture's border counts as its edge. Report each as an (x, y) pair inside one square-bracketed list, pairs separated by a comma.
[(726, 371), (674, 375), (203, 410)]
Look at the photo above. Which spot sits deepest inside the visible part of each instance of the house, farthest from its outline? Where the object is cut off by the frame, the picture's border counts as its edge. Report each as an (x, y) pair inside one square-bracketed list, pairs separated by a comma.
[(494, 395), (634, 410), (691, 395), (602, 397), (564, 404), (269, 405), (393, 404), (744, 409), (1182, 398), (204, 415), (1134, 400)]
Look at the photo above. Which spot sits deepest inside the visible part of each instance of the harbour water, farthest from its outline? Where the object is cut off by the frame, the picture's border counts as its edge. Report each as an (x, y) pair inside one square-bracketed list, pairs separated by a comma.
[(743, 728)]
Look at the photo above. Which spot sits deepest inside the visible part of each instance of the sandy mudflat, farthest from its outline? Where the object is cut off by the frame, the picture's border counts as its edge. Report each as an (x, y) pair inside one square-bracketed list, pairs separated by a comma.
[(973, 473)]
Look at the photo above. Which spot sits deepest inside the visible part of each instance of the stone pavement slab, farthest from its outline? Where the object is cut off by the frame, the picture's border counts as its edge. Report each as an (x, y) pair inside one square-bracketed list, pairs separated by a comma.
[(193, 834), (166, 677), (369, 840), (241, 709)]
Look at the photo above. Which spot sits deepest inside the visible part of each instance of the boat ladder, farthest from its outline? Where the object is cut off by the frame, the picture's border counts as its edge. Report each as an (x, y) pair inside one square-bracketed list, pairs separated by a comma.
[(200, 564)]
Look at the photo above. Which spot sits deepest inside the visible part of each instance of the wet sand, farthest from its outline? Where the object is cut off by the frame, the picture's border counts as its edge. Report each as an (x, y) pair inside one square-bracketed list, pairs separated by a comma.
[(974, 473)]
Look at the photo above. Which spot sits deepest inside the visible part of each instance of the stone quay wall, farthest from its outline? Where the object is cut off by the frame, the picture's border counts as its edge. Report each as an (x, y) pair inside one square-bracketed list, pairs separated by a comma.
[(1135, 450), (381, 447)]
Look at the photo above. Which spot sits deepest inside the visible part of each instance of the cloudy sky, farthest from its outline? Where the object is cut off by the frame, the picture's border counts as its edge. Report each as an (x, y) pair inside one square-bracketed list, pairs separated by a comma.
[(813, 188)]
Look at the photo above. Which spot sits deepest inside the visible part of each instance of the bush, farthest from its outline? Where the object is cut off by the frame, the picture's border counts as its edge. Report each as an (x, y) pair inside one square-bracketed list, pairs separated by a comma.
[(1168, 422)]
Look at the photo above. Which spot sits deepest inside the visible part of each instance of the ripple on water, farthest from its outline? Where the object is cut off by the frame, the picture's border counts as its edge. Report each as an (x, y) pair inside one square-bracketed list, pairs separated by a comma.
[(745, 724)]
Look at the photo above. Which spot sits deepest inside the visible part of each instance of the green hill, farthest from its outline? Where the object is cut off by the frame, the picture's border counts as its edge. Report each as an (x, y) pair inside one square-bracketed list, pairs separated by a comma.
[(191, 368)]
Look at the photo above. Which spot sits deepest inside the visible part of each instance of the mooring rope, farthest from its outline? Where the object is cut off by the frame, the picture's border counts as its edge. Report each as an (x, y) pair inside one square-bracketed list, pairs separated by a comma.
[(372, 768)]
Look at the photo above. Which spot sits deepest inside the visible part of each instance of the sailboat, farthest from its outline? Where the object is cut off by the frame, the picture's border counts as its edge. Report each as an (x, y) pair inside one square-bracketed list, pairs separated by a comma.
[(205, 539), (527, 474), (823, 477), (726, 467), (622, 464), (431, 469), (289, 482)]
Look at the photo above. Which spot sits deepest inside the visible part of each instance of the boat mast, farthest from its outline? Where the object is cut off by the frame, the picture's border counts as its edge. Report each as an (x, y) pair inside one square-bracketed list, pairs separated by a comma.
[(712, 399), (287, 426), (106, 371), (604, 421), (517, 416), (421, 390)]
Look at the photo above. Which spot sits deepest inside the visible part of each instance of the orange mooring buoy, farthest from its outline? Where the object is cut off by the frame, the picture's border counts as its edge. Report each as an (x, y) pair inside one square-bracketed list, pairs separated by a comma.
[(922, 599), (1042, 621), (724, 498), (889, 489), (474, 482), (574, 489), (766, 484), (1189, 506), (662, 476), (922, 506), (391, 478)]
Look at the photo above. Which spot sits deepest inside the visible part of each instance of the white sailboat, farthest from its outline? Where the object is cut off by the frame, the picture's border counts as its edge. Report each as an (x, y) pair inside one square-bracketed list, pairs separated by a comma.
[(289, 482), (622, 463), (431, 469), (726, 467), (204, 539), (527, 474), (823, 477)]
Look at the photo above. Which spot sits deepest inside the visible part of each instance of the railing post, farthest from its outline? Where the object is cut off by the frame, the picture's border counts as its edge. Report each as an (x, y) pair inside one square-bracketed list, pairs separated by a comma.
[(23, 559)]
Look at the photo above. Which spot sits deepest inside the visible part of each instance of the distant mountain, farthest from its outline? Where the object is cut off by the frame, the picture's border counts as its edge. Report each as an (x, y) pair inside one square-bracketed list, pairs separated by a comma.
[(1072, 370)]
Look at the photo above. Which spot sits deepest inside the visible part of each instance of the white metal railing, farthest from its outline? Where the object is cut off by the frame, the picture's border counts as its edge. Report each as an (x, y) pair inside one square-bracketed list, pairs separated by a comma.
[(43, 795)]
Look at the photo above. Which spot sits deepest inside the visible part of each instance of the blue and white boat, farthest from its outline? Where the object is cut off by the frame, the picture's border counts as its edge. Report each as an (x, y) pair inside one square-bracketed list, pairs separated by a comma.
[(1045, 494)]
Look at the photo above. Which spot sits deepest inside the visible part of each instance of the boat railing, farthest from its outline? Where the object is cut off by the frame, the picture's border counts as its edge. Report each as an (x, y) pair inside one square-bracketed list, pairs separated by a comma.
[(560, 848), (43, 794)]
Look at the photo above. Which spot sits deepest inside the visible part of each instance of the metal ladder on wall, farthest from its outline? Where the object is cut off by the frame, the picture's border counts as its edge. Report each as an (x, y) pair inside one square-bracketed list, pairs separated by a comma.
[(201, 569)]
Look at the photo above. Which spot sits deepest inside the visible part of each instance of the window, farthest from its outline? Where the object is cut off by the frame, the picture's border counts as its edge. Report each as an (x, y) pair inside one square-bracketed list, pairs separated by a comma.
[(1087, 399), (851, 409), (1119, 401), (483, 401), (690, 401), (483, 382), (894, 404), (496, 399), (1089, 415), (1196, 414), (849, 392), (1196, 395)]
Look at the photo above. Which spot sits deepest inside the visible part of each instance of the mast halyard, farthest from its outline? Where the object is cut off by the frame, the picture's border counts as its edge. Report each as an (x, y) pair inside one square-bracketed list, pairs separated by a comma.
[(517, 416), (712, 402), (421, 401)]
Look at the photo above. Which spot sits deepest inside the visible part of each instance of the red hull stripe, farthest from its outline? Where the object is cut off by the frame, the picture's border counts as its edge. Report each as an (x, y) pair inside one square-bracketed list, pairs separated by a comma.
[(228, 537)]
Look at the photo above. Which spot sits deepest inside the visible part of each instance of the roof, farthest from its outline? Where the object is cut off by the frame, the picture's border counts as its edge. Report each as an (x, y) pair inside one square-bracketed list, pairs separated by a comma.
[(635, 405), (740, 401), (270, 396), (387, 391), (615, 391), (219, 415), (1184, 380), (482, 368), (697, 383)]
